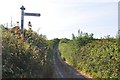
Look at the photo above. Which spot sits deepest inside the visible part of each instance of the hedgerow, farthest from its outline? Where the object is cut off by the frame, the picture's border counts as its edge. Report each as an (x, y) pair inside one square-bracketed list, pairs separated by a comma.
[(25, 57), (97, 57)]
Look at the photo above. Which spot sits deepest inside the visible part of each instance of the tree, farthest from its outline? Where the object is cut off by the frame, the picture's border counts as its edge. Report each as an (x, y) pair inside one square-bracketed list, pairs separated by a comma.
[(91, 36), (73, 36)]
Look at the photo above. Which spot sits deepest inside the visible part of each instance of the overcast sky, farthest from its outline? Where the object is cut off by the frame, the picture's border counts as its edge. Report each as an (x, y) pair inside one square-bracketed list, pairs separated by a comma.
[(61, 18)]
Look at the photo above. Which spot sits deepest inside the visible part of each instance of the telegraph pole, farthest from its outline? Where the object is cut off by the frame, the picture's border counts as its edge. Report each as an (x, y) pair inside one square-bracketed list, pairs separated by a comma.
[(11, 24)]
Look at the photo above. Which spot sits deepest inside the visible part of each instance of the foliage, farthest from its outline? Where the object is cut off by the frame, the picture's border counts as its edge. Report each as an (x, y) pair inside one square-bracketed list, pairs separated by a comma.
[(99, 57), (64, 40), (83, 38), (29, 57), (55, 42)]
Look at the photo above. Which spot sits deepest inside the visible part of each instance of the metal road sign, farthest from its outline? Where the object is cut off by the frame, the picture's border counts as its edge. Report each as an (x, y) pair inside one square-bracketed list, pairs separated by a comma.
[(32, 14), (22, 18), (26, 14)]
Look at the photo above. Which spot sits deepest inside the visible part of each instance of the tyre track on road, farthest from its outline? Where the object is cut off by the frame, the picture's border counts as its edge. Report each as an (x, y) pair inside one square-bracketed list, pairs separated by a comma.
[(57, 71), (62, 69)]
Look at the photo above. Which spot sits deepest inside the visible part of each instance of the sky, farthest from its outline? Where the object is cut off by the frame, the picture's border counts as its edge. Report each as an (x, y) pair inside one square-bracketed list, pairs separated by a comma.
[(61, 18)]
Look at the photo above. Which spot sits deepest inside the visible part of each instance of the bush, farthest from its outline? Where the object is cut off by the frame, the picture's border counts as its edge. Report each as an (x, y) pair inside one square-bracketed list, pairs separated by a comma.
[(25, 58), (99, 57)]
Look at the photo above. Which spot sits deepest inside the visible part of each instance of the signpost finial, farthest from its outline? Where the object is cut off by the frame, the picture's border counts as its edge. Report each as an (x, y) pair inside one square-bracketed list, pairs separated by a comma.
[(22, 8)]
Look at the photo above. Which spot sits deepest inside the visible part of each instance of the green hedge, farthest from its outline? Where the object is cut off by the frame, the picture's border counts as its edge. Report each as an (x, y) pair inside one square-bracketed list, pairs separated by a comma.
[(99, 58), (30, 59)]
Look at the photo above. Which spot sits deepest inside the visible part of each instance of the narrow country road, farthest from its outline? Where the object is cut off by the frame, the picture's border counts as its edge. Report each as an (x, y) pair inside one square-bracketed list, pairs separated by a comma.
[(62, 69)]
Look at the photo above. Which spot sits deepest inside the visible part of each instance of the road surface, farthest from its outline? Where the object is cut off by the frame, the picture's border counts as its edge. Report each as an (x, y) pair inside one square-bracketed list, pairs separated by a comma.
[(62, 69)]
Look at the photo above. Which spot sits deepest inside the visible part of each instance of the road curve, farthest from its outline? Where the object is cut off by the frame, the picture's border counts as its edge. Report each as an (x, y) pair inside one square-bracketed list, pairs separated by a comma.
[(62, 69)]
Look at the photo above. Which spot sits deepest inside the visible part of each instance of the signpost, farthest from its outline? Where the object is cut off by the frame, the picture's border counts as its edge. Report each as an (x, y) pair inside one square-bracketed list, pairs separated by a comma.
[(32, 14), (22, 18), (26, 14)]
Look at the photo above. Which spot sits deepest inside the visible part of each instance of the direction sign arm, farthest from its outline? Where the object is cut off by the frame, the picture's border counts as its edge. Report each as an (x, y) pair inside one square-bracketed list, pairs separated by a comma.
[(32, 14)]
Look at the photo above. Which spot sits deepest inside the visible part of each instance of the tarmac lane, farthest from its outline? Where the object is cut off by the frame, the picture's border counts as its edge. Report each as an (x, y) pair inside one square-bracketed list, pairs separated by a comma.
[(63, 70)]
